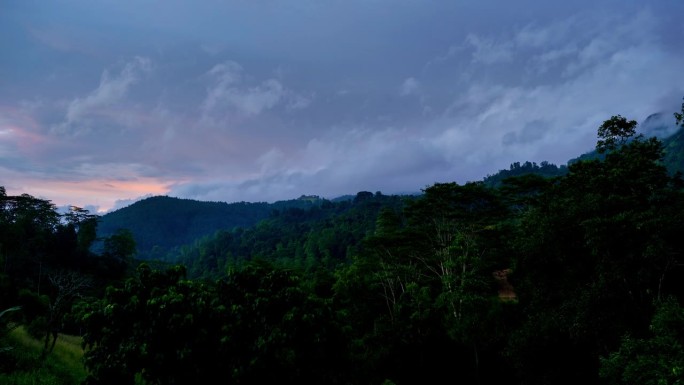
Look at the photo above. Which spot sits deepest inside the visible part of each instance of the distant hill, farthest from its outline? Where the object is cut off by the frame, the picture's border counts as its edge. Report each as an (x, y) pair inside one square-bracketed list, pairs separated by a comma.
[(544, 169), (160, 223)]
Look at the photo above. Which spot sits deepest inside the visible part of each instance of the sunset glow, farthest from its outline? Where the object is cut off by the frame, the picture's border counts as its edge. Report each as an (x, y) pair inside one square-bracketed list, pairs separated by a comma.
[(102, 194)]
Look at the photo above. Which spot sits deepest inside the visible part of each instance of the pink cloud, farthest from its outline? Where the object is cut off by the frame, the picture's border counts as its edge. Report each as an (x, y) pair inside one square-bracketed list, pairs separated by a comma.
[(19, 130), (102, 193)]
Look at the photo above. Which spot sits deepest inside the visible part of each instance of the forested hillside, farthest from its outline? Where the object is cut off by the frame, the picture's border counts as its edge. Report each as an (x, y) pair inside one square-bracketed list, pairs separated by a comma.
[(161, 223), (322, 236), (537, 279)]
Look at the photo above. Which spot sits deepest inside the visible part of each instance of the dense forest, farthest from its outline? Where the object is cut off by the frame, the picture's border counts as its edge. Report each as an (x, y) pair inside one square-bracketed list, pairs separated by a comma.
[(541, 275), (161, 223)]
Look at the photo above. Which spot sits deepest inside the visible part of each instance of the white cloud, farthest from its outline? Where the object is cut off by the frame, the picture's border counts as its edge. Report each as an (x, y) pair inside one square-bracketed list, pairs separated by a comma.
[(298, 102), (578, 72), (111, 90), (331, 119), (345, 160), (409, 86), (228, 90), (489, 51), (225, 75), (253, 100)]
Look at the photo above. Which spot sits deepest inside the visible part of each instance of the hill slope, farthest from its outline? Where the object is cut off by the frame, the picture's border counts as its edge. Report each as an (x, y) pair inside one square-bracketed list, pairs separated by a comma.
[(160, 223)]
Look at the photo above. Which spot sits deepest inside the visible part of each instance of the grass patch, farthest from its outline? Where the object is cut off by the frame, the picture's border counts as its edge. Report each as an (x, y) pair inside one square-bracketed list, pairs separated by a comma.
[(24, 364)]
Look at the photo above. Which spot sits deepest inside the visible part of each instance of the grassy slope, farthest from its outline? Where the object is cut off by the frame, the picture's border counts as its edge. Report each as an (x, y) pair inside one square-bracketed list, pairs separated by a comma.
[(62, 366)]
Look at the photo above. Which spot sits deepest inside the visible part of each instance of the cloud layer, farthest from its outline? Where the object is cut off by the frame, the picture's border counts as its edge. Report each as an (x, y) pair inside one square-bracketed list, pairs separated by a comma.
[(102, 103)]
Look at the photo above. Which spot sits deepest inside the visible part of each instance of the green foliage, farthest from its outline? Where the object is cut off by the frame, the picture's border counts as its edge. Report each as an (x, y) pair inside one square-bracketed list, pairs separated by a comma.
[(26, 364), (656, 359), (428, 271), (309, 239), (598, 248), (256, 326), (38, 248)]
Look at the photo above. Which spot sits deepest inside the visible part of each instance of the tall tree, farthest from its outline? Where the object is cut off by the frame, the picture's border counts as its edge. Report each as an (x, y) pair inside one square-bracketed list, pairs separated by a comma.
[(614, 133), (84, 224), (432, 269), (596, 252)]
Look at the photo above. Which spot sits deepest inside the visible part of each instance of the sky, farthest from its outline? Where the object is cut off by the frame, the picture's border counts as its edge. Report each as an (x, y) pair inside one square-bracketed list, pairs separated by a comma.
[(105, 102)]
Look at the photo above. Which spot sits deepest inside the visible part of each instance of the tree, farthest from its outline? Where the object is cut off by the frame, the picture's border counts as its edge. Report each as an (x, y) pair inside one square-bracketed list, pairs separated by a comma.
[(118, 251), (68, 285), (679, 116), (85, 226), (463, 229), (120, 246), (431, 270), (148, 324), (614, 133), (28, 227)]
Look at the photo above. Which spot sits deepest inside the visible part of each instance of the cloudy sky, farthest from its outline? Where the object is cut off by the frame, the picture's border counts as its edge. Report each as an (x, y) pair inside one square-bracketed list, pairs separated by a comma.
[(103, 102)]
